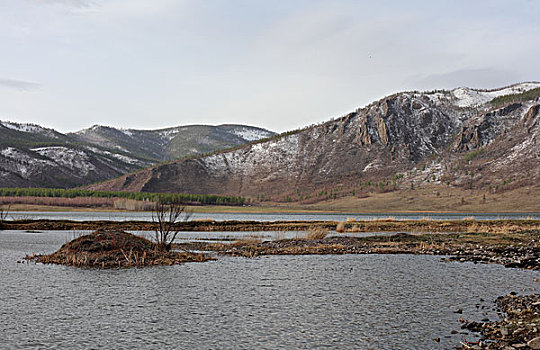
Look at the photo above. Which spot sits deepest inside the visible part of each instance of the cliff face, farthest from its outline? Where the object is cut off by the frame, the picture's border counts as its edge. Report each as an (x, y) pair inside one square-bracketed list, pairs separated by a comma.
[(398, 135)]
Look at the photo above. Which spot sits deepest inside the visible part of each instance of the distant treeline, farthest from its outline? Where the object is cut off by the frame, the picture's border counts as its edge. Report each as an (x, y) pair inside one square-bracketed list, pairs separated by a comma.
[(182, 198), (524, 96)]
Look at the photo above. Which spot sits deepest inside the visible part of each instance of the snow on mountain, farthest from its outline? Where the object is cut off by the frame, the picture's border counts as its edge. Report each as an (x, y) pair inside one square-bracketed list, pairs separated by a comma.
[(118, 156), (127, 132), (23, 163), (465, 97), (251, 134), (70, 158), (30, 128)]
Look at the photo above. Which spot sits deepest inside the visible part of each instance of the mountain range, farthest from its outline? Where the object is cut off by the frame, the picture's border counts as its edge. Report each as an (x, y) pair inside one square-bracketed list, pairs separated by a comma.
[(34, 156), (470, 139)]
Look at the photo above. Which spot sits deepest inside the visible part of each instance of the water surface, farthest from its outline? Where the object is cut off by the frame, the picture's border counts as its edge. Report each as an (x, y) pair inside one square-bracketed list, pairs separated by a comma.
[(147, 216), (341, 301)]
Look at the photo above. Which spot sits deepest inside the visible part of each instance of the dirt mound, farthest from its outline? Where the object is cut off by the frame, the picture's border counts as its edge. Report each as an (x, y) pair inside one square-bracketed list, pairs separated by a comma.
[(115, 249)]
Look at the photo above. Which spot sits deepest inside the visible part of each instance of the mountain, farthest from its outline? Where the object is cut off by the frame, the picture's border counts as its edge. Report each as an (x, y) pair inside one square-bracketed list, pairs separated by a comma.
[(34, 156), (456, 139), (172, 143)]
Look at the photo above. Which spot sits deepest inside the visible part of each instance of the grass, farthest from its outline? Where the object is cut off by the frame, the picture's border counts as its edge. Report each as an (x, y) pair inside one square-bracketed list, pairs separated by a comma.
[(524, 199), (316, 234)]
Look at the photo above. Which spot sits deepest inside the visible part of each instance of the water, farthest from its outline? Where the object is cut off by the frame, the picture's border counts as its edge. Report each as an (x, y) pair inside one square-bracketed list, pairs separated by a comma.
[(147, 216), (340, 301)]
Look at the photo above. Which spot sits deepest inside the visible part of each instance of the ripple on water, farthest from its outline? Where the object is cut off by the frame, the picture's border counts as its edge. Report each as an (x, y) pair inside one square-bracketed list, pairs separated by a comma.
[(342, 301)]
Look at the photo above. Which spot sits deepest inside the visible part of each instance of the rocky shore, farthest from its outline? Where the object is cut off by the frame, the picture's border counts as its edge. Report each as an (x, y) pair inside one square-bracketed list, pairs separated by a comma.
[(519, 327), (520, 250)]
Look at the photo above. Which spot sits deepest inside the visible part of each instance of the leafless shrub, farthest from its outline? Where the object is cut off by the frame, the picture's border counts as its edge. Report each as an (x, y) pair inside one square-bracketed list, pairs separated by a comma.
[(4, 212), (166, 216)]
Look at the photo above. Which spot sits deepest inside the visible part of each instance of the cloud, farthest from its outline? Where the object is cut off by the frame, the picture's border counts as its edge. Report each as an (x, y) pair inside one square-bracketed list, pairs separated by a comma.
[(70, 3), (476, 78), (20, 85)]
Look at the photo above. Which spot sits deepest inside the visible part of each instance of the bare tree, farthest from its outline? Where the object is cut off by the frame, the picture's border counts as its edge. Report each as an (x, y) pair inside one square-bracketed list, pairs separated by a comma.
[(166, 216), (3, 215)]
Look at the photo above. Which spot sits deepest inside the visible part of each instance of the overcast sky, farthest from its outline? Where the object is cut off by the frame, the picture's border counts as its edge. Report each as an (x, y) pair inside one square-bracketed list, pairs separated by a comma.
[(69, 64)]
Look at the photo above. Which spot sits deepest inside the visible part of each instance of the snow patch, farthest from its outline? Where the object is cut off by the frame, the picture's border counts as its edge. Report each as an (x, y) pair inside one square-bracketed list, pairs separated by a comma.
[(67, 157), (30, 128), (120, 157), (465, 97), (23, 163), (250, 134), (373, 165), (169, 134), (127, 132)]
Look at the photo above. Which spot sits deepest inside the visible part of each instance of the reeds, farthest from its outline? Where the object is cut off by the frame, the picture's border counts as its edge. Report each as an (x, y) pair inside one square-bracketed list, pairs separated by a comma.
[(248, 240), (316, 234), (133, 205)]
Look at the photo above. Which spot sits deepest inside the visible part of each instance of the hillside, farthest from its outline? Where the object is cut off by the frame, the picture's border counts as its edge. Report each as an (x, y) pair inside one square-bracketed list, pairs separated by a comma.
[(455, 140), (34, 156), (171, 143)]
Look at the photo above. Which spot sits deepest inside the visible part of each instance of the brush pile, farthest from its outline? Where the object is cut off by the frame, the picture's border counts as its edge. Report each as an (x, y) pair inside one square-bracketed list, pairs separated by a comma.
[(107, 249)]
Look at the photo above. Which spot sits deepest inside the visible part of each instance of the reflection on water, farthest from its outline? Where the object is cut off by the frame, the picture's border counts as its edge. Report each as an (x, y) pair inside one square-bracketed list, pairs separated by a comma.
[(146, 216), (341, 301)]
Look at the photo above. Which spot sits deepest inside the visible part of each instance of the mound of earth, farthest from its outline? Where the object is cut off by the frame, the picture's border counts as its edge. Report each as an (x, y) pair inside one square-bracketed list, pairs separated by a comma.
[(115, 249)]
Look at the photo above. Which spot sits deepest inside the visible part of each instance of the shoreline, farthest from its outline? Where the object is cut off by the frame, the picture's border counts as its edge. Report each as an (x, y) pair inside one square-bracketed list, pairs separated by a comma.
[(514, 250), (258, 209), (208, 225)]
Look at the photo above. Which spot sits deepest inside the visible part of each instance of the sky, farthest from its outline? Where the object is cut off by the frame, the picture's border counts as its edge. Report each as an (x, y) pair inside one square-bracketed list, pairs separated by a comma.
[(281, 65)]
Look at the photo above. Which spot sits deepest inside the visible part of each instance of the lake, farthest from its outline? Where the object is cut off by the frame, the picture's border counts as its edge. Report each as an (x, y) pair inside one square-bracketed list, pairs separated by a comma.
[(147, 216), (333, 301)]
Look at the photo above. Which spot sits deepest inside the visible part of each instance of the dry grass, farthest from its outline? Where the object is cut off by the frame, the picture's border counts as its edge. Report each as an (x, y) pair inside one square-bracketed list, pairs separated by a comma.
[(247, 240), (503, 227), (208, 220), (524, 199), (340, 227), (388, 219), (351, 219), (316, 234)]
